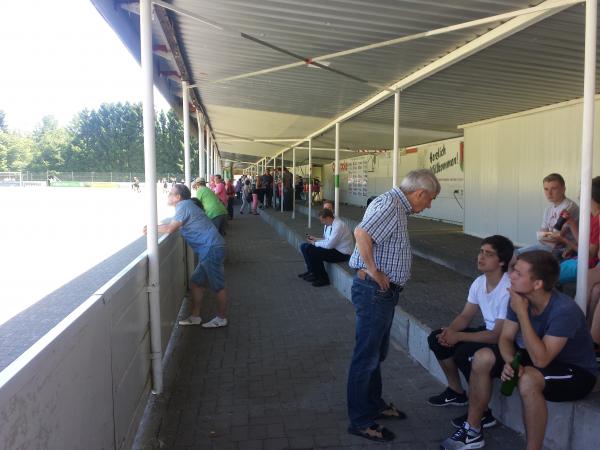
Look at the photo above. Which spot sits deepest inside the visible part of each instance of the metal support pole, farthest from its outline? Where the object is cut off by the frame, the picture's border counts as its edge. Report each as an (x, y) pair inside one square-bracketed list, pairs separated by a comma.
[(587, 141), (282, 186), (150, 175), (294, 183), (209, 171), (206, 147), (336, 177), (200, 145), (310, 181), (274, 182), (187, 168), (396, 139)]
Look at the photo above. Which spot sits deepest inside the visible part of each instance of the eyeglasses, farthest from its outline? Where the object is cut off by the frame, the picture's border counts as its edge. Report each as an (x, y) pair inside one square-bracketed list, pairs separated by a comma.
[(487, 253)]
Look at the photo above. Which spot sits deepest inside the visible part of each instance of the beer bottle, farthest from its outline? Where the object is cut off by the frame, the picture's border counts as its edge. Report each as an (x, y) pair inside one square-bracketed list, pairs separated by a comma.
[(508, 386)]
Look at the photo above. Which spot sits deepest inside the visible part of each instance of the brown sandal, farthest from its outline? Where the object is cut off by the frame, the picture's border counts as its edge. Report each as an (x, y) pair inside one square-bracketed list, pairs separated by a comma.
[(375, 433), (391, 412)]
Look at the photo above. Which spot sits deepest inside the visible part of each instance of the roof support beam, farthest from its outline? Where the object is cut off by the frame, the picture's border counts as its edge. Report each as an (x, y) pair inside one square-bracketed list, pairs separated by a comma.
[(497, 34), (548, 5)]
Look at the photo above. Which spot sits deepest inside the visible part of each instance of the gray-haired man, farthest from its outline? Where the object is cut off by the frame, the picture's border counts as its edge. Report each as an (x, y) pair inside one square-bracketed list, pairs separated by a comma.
[(382, 259)]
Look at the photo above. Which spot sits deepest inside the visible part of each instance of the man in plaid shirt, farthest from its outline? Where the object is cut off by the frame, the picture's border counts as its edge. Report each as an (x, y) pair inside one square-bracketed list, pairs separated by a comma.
[(382, 259)]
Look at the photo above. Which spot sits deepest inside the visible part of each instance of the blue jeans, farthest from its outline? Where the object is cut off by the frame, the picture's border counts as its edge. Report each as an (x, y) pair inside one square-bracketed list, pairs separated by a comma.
[(374, 316)]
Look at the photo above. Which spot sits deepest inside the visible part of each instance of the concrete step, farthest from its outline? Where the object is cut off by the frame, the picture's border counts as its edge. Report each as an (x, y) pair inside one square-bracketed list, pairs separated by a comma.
[(571, 425)]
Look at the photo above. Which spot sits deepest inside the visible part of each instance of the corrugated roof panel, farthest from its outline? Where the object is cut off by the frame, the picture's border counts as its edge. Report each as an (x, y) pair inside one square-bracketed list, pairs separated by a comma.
[(540, 65)]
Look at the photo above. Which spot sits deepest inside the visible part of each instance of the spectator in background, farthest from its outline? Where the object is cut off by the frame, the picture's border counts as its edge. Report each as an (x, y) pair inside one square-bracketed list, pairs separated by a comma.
[(267, 182), (230, 191), (213, 207), (336, 245), (288, 189), (255, 193), (246, 196), (219, 189), (239, 185), (200, 234)]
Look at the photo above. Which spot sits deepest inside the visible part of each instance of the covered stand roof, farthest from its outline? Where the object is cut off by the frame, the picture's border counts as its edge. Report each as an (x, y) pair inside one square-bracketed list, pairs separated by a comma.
[(225, 47)]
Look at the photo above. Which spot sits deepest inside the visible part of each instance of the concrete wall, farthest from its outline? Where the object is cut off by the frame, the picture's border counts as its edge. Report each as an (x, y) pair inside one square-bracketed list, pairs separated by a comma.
[(506, 160), (85, 384)]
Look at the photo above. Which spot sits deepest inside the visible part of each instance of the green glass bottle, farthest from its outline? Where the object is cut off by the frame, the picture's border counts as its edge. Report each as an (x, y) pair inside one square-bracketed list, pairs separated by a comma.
[(508, 386)]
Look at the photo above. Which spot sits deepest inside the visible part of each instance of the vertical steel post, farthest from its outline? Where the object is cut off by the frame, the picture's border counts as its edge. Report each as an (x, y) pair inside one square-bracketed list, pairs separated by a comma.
[(187, 168), (200, 145), (310, 181), (150, 175), (282, 187), (206, 147), (587, 141), (336, 177), (294, 183), (396, 139)]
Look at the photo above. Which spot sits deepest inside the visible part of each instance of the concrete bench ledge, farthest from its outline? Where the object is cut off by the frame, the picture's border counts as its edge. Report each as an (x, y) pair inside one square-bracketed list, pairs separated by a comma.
[(571, 425)]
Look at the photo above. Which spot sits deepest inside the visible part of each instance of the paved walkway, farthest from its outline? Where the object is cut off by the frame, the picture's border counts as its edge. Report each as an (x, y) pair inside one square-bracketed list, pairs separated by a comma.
[(276, 377)]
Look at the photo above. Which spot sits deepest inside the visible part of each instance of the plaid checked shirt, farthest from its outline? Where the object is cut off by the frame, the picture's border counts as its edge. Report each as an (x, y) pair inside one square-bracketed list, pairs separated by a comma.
[(386, 221)]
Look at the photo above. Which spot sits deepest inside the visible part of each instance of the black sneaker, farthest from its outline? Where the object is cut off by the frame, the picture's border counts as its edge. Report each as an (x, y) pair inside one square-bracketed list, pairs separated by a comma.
[(448, 398), (463, 439), (487, 421)]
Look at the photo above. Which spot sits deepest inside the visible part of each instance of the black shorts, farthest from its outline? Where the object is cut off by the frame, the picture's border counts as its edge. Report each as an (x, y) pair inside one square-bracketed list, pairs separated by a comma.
[(463, 352), (563, 382)]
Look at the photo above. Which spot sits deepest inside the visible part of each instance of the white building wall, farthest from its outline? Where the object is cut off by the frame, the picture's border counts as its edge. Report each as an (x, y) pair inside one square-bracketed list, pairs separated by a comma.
[(379, 173), (506, 160)]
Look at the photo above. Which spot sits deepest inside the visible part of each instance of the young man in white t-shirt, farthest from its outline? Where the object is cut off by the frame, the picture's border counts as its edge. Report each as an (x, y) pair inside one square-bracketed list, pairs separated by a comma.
[(455, 345)]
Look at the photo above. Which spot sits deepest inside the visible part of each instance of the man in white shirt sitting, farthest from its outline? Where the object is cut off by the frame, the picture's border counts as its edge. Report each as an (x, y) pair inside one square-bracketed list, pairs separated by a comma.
[(455, 345), (336, 245)]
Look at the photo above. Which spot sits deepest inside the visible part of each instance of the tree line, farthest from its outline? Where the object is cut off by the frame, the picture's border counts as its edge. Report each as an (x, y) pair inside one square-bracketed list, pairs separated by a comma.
[(107, 139)]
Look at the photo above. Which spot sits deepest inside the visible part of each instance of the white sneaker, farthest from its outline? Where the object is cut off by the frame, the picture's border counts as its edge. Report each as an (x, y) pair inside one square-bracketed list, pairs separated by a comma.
[(216, 322), (192, 320)]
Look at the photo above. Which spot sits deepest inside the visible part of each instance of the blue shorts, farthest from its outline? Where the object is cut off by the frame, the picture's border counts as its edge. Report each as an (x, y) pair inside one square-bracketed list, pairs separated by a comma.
[(211, 269)]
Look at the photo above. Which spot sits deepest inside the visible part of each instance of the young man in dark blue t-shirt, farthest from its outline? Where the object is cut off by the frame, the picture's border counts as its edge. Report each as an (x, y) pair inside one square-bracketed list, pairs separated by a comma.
[(557, 363)]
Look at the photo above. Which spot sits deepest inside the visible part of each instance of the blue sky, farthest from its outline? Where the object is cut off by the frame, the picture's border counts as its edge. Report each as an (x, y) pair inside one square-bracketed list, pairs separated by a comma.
[(59, 57)]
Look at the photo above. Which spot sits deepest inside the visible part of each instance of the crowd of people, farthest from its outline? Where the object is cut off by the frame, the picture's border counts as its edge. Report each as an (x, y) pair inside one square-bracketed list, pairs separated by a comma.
[(519, 294)]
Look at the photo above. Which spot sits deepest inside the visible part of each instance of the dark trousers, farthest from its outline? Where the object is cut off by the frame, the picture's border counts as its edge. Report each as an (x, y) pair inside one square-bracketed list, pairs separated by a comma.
[(315, 256), (462, 352), (288, 199), (374, 315), (269, 197), (230, 207)]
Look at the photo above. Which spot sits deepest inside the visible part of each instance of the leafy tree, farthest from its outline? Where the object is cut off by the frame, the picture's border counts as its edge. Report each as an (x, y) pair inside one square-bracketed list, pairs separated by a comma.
[(3, 126), (50, 144), (15, 151)]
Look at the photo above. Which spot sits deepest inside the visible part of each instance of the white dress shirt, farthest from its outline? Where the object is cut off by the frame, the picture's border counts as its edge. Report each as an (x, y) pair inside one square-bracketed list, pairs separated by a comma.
[(337, 236)]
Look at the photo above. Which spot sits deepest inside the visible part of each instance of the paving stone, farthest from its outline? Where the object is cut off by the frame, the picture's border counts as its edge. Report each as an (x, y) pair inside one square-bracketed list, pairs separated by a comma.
[(275, 378)]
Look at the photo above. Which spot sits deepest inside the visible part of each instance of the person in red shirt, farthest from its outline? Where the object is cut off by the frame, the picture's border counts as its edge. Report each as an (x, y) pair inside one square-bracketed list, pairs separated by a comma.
[(568, 267)]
